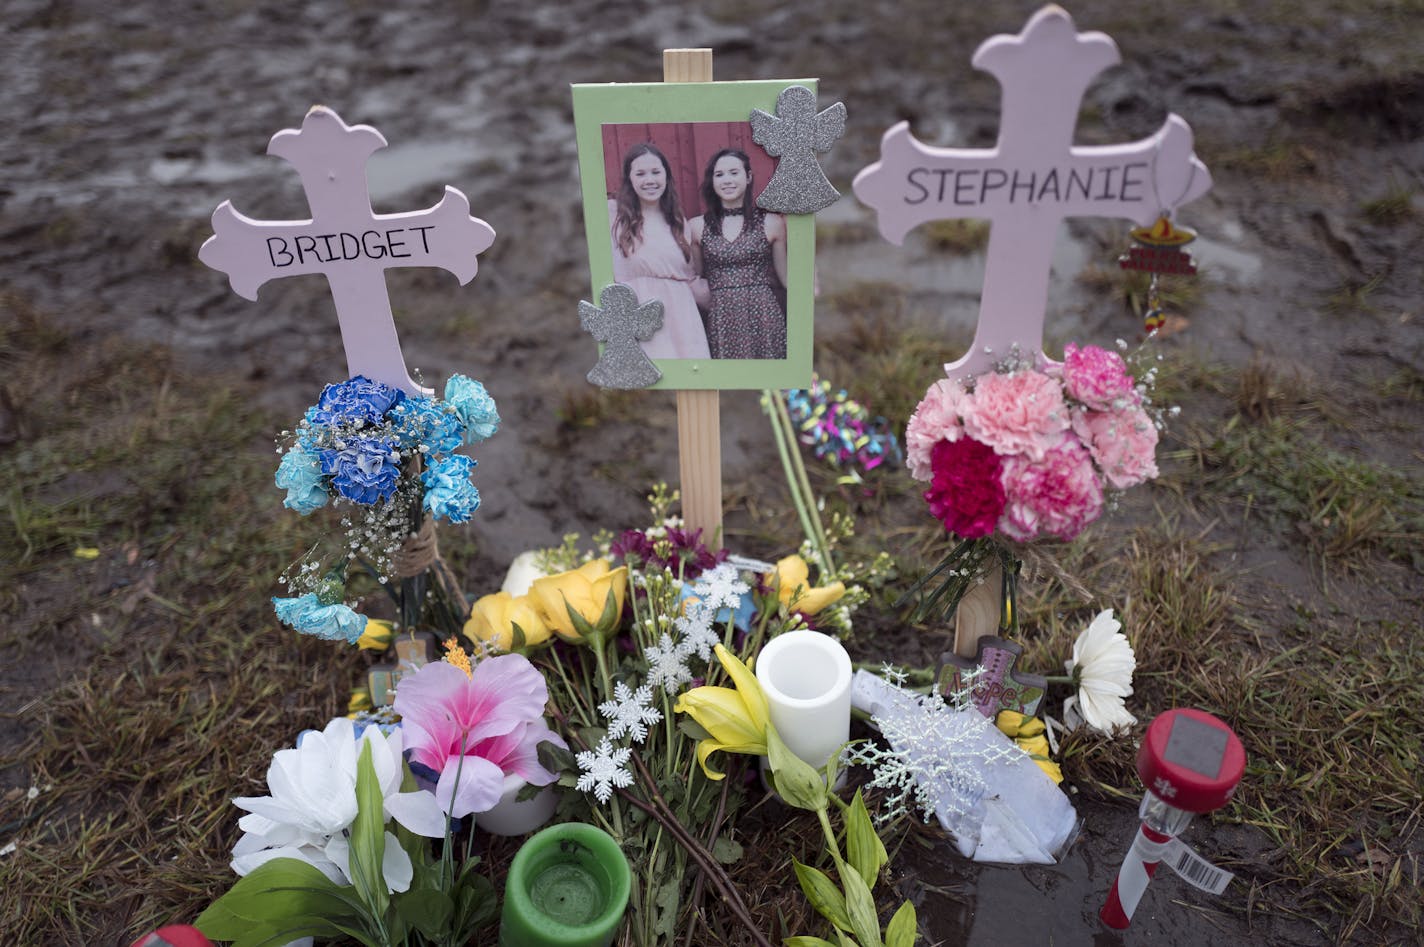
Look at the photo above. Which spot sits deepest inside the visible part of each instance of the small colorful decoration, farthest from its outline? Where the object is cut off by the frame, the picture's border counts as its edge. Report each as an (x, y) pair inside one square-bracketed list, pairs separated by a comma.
[(1159, 251), (621, 323), (347, 242), (1191, 763), (796, 134), (839, 430), (991, 679), (1031, 179)]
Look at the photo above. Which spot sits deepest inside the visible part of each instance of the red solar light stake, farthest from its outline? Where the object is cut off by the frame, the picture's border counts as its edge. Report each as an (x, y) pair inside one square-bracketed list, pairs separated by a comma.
[(1190, 763)]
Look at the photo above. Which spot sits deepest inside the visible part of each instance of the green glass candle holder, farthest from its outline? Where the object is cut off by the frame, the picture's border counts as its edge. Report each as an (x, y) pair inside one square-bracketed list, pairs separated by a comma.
[(568, 887)]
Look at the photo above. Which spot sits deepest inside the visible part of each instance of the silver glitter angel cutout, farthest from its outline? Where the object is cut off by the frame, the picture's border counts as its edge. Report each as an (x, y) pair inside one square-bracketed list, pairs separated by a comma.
[(795, 134), (620, 323)]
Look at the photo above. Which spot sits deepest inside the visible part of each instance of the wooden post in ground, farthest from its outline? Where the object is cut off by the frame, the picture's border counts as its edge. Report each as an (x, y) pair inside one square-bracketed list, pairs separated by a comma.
[(979, 611), (699, 428)]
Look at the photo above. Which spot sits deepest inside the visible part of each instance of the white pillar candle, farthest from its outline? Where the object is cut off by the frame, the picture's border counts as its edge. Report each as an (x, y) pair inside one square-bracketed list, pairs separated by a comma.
[(806, 677)]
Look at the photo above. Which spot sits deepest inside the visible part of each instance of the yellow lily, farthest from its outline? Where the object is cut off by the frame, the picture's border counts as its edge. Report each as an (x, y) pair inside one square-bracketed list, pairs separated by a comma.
[(735, 718), (1029, 734), (378, 635), (594, 592), (494, 617), (791, 577)]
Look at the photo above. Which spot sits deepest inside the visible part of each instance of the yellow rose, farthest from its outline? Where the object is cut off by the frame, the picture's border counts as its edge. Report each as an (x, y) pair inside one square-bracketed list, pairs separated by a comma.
[(494, 617), (734, 718), (791, 578), (594, 592), (378, 635), (1030, 736)]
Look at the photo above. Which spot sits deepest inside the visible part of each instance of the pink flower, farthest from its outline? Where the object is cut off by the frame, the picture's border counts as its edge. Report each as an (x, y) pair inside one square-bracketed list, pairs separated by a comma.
[(473, 729), (1022, 413), (966, 494), (1056, 496), (936, 419), (1122, 443), (1096, 377)]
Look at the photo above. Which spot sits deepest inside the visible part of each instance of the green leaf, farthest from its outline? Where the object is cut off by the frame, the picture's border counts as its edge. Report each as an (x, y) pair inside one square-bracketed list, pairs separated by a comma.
[(517, 639), (860, 905), (727, 851), (555, 758), (824, 896), (692, 729), (902, 931), (475, 903), (428, 911), (797, 783), (273, 893), (864, 849), (805, 941), (368, 837), (608, 621)]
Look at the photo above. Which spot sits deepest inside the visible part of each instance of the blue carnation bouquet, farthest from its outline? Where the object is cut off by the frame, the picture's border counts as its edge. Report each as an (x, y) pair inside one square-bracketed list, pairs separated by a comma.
[(388, 462)]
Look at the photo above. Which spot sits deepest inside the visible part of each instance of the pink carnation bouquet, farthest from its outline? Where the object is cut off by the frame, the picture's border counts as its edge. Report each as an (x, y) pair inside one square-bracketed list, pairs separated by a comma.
[(1030, 451)]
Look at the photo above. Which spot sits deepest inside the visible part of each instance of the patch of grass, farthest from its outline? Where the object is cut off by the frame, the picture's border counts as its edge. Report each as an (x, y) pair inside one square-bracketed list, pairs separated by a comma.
[(960, 236), (1176, 294), (588, 407), (849, 233), (156, 716), (1352, 297), (1278, 159), (1393, 207), (1342, 506)]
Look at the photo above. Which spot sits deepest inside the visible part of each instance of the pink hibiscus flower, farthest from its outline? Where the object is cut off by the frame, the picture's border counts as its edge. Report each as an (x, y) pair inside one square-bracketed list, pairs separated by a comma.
[(1123, 443), (1096, 377), (473, 729), (1056, 496), (936, 419), (1021, 413)]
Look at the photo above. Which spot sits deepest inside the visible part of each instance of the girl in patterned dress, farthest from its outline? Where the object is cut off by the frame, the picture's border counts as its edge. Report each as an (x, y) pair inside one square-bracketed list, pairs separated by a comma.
[(741, 250)]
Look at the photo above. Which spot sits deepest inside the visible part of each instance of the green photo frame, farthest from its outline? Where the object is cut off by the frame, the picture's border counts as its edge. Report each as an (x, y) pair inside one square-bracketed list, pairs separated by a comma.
[(690, 124)]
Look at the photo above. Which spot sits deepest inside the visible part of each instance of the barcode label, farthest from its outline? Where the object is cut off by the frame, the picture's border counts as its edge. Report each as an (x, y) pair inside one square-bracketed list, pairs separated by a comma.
[(1195, 870)]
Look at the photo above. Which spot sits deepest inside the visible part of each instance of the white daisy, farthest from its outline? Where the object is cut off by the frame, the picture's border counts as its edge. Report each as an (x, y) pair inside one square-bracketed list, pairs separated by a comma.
[(1102, 666)]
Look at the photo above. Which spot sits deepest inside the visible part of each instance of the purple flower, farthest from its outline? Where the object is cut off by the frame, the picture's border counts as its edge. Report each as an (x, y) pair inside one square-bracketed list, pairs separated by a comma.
[(364, 470)]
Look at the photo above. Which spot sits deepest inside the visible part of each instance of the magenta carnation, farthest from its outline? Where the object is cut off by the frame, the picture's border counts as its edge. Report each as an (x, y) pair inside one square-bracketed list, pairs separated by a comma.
[(1096, 377), (1021, 413), (1056, 496), (966, 493), (1123, 444), (473, 730), (935, 419)]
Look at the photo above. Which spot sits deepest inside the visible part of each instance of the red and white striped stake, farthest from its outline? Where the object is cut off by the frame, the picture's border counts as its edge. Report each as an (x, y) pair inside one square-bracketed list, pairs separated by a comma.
[(1137, 870), (1191, 763)]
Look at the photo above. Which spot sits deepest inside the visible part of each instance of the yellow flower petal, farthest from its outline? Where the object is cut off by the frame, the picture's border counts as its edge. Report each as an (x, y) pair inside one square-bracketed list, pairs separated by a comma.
[(813, 600), (493, 617), (723, 713), (747, 687), (378, 635)]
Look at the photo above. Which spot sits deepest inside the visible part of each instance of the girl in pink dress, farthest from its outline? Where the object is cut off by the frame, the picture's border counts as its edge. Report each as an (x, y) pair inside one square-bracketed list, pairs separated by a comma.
[(652, 253)]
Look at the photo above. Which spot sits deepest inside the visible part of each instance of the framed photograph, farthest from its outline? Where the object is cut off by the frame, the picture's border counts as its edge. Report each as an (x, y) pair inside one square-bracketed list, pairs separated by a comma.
[(670, 176)]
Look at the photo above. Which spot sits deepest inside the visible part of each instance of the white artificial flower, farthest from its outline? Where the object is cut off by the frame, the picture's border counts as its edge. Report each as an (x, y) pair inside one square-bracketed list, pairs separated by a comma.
[(1102, 666), (667, 665), (522, 573), (313, 803), (698, 636)]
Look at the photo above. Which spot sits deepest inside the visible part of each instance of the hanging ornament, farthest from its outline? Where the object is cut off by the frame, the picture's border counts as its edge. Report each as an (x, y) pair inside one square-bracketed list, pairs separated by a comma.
[(1158, 250)]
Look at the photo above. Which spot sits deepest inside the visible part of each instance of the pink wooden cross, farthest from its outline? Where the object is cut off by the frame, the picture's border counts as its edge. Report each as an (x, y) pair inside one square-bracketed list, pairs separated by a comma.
[(1032, 179), (346, 242)]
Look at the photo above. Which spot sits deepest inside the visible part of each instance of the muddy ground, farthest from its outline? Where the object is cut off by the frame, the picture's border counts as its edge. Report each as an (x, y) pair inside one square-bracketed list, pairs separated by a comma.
[(127, 124)]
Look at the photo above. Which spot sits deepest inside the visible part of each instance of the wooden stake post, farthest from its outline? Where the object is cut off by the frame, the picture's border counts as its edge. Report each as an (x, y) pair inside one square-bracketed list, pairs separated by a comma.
[(699, 427)]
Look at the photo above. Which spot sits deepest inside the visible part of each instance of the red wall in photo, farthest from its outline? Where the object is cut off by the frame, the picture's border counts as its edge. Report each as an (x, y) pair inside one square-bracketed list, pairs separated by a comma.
[(688, 147)]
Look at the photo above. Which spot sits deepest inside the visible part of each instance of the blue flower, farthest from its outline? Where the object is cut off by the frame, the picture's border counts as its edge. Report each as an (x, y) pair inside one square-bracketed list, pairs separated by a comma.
[(449, 494), (474, 406), (299, 474), (364, 470), (357, 400), (418, 421), (309, 616)]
